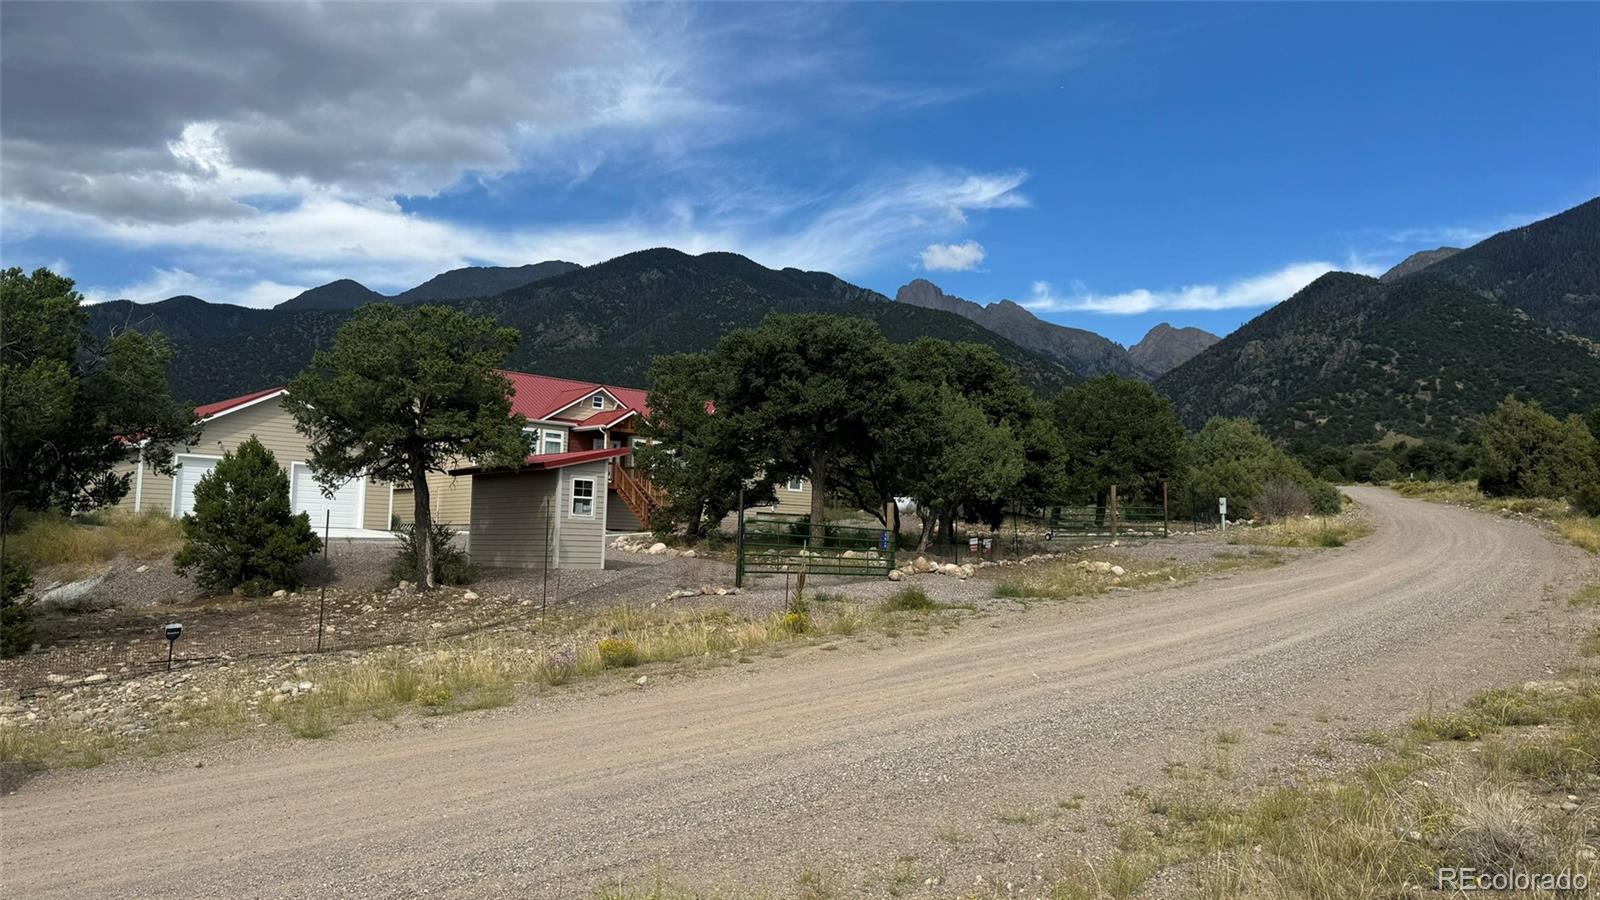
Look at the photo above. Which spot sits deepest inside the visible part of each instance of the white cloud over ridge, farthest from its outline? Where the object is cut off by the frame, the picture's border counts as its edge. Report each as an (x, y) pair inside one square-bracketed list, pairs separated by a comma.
[(247, 150), (1255, 291), (962, 257)]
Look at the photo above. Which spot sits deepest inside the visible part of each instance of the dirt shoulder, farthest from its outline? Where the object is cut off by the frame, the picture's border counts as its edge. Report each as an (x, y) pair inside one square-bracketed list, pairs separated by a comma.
[(926, 763)]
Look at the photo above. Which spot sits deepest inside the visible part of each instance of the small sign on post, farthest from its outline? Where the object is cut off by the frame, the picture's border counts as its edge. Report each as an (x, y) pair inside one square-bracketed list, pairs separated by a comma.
[(171, 632), (1222, 510)]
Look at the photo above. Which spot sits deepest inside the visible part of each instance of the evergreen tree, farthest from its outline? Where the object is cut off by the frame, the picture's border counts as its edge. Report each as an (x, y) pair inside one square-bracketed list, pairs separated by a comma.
[(406, 391), (242, 533), (1524, 451)]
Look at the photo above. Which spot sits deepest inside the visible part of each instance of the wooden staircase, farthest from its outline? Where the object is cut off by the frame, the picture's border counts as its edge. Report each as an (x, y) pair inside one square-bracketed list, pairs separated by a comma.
[(637, 492)]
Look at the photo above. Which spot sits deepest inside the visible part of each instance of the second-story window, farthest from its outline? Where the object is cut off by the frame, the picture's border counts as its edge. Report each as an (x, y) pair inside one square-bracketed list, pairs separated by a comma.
[(555, 441), (598, 401)]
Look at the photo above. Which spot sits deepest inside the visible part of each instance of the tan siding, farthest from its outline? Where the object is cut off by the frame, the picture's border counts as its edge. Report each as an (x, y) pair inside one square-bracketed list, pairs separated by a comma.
[(450, 497), (794, 501), (619, 517), (376, 513), (584, 408), (510, 527), (274, 427), (583, 539)]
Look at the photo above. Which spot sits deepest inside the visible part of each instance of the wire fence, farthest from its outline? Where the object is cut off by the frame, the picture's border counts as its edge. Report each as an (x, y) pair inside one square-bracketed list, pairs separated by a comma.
[(135, 644)]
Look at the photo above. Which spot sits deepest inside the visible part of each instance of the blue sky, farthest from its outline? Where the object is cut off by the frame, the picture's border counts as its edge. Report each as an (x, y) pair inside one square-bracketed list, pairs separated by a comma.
[(1111, 166)]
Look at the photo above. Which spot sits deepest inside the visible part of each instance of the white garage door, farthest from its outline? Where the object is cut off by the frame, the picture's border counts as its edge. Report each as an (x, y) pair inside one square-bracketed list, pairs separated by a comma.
[(190, 470), (345, 504)]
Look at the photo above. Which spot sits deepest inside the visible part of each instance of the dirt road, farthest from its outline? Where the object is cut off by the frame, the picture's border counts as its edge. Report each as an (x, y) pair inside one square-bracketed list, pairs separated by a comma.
[(832, 761)]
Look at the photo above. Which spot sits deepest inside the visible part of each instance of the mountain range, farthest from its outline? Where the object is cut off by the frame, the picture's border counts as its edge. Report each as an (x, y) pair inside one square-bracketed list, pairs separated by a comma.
[(1084, 352), (601, 323), (1421, 351), (456, 284)]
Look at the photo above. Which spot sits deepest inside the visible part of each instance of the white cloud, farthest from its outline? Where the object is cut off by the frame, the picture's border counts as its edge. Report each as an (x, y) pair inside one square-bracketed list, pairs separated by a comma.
[(962, 257), (164, 283), (1260, 290), (379, 244)]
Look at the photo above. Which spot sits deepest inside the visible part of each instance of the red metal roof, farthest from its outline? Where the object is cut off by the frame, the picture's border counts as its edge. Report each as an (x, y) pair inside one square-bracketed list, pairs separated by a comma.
[(541, 397), (599, 420), (544, 461), (208, 410)]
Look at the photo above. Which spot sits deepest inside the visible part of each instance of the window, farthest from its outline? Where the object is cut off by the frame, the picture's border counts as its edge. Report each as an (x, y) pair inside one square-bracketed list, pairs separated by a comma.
[(598, 401), (583, 497), (796, 484), (555, 441)]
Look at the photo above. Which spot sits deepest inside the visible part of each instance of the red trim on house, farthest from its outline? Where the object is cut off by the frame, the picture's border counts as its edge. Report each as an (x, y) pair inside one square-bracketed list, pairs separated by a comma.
[(545, 461), (209, 410)]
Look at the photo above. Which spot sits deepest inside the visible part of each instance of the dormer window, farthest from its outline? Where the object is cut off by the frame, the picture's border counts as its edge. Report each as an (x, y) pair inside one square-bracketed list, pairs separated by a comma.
[(598, 401)]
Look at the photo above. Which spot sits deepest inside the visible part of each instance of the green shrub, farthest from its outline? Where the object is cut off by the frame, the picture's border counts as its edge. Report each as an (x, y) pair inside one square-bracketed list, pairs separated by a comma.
[(16, 626), (911, 599), (617, 653), (451, 565), (242, 533), (1385, 470)]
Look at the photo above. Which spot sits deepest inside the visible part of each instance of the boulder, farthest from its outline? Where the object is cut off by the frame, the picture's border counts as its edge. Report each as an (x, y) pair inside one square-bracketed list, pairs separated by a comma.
[(1102, 568), (966, 570), (896, 575), (280, 592), (1118, 571), (96, 678), (921, 564), (657, 549), (470, 595), (689, 554), (952, 570)]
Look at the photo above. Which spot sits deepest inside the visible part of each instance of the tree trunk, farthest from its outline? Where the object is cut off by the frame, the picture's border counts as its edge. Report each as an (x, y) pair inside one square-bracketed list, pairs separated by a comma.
[(929, 517), (947, 525), (894, 534), (422, 525), (819, 474)]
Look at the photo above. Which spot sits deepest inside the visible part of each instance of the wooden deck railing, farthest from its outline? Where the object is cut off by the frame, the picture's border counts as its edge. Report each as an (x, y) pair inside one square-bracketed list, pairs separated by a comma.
[(637, 492)]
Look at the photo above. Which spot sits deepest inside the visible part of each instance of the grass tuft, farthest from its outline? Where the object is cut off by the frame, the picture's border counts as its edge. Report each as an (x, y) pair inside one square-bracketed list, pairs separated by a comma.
[(80, 547), (909, 599)]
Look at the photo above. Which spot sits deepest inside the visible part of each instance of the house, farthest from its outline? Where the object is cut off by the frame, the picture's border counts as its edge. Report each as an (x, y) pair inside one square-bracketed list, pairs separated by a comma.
[(360, 508), (563, 417), (579, 483)]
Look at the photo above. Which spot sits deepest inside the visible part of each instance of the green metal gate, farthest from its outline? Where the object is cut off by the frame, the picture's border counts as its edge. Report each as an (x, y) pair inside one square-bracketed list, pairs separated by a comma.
[(781, 544)]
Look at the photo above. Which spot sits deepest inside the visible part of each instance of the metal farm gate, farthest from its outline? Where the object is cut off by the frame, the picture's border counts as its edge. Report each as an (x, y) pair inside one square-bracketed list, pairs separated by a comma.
[(782, 544)]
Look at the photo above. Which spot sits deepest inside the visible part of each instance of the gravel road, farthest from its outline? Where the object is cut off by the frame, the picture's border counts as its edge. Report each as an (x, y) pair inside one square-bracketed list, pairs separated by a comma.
[(837, 760)]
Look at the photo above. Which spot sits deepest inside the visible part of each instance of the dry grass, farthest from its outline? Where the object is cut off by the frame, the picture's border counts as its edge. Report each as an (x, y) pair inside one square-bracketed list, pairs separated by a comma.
[(1584, 531), (1589, 596), (1302, 532), (74, 548), (1063, 580), (1394, 823), (461, 676)]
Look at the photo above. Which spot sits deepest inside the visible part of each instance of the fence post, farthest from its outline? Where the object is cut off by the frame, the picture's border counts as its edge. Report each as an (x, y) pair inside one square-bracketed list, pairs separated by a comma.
[(1113, 512), (1166, 518), (738, 568)]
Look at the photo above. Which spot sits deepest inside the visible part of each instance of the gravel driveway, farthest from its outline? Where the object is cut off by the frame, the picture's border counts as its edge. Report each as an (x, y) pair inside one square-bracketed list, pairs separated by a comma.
[(836, 759)]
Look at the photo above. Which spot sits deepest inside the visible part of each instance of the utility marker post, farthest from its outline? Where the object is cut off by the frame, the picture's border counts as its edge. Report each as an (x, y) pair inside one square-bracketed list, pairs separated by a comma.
[(322, 593), (1222, 509)]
